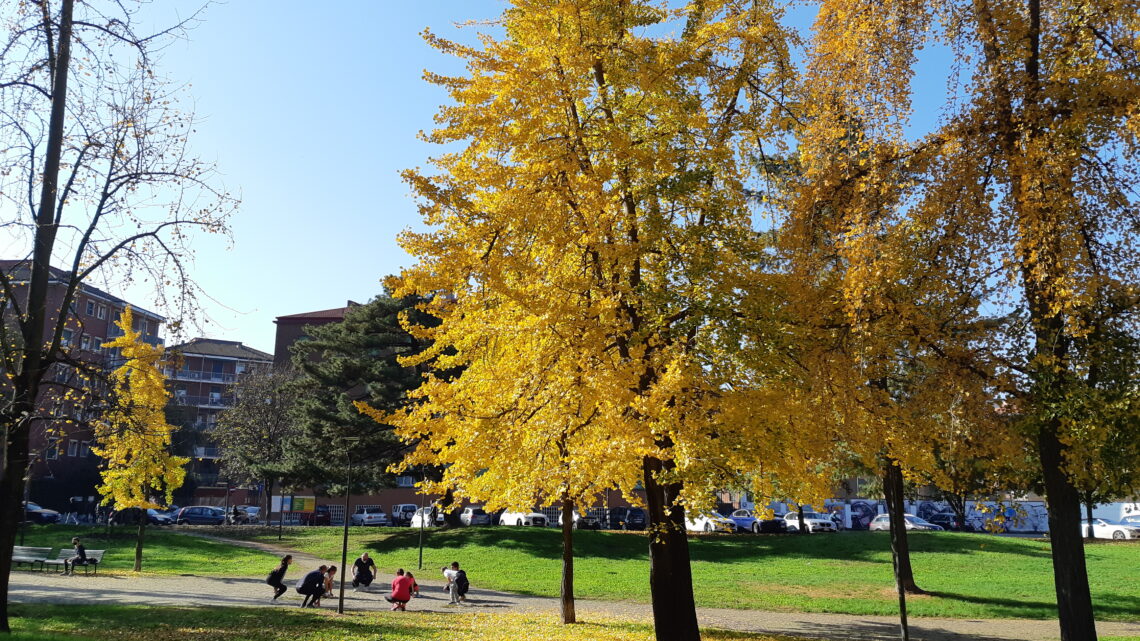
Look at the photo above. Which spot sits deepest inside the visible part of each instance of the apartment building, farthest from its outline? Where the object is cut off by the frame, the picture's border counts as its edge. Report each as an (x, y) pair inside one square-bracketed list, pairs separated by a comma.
[(201, 374), (64, 472)]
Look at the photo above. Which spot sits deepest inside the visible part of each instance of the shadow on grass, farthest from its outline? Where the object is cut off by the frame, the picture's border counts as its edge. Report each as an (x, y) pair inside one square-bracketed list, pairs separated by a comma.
[(1107, 606)]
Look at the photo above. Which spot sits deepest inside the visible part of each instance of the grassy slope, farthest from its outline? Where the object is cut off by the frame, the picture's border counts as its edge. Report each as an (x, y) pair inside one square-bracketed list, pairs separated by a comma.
[(134, 623), (164, 551), (969, 575)]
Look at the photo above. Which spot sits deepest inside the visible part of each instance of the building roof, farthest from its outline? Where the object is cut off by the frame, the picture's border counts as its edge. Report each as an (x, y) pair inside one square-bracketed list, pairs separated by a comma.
[(220, 348), (18, 272), (327, 315)]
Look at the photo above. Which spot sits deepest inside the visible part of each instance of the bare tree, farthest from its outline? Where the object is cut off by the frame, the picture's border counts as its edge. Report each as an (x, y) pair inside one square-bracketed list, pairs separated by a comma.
[(95, 174)]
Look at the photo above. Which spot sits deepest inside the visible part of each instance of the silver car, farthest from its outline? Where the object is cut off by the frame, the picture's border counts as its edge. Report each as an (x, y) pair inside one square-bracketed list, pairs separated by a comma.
[(474, 515), (369, 516)]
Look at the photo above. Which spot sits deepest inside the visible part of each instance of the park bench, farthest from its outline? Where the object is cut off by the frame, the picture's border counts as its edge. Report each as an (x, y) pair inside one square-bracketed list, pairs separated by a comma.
[(31, 556), (94, 557)]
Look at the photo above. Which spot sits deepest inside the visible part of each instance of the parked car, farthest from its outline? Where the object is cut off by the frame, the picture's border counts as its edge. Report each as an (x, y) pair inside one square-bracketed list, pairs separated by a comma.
[(746, 522), (369, 516), (533, 518), (709, 523), (37, 514), (158, 517), (474, 515), (581, 522), (625, 518), (427, 517), (129, 516), (882, 523), (321, 515), (1132, 520), (813, 521), (1105, 529), (950, 521), (402, 513), (200, 515)]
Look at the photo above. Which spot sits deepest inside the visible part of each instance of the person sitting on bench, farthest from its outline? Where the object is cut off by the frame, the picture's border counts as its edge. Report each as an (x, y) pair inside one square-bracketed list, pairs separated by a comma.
[(80, 557)]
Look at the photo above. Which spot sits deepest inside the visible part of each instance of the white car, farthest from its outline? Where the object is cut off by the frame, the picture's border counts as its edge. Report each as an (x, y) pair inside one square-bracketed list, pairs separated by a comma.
[(533, 518), (813, 521), (582, 522), (424, 517), (882, 523), (369, 516), (710, 523), (474, 515), (1104, 529)]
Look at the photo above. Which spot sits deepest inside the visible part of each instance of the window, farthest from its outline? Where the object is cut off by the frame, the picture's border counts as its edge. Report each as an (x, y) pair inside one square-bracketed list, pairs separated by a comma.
[(90, 308), (85, 449), (97, 344), (144, 327), (72, 447), (102, 312), (68, 336), (52, 451), (85, 342)]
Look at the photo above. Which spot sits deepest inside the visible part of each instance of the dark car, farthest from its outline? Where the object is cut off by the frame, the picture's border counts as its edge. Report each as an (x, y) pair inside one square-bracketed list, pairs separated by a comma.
[(128, 516), (321, 515), (625, 518), (950, 521), (37, 514), (200, 515)]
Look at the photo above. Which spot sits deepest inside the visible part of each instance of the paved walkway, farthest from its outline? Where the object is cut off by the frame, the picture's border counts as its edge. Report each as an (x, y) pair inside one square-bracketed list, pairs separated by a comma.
[(190, 590)]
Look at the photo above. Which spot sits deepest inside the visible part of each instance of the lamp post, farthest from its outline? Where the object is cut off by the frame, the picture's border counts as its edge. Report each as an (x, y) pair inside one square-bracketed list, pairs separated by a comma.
[(349, 442), (423, 516)]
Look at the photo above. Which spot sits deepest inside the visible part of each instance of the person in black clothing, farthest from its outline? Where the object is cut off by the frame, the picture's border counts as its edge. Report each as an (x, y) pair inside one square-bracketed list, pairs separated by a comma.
[(312, 586), (80, 557), (276, 578), (363, 571)]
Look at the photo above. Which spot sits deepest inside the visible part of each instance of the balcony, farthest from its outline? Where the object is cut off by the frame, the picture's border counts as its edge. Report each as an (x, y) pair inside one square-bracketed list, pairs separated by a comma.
[(198, 375), (203, 401), (205, 480), (209, 452)]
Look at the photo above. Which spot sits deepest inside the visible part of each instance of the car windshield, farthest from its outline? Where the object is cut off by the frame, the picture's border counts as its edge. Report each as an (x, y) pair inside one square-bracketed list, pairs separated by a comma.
[(917, 521), (637, 512), (33, 506), (812, 515), (478, 512)]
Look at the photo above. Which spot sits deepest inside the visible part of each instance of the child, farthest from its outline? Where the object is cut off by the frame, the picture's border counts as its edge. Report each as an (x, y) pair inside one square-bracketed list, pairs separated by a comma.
[(415, 586)]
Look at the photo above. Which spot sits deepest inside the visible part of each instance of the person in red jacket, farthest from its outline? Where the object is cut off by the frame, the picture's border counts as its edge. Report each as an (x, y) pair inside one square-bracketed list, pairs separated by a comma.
[(401, 590)]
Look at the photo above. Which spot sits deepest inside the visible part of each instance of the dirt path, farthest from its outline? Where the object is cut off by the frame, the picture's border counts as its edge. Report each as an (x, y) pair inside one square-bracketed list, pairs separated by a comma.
[(189, 590)]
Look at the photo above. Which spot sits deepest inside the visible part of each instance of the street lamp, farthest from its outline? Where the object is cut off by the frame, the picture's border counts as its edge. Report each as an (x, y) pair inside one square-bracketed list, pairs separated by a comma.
[(349, 442)]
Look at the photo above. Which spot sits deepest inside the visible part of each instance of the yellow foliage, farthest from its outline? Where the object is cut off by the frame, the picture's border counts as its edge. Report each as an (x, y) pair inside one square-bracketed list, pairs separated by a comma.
[(134, 438)]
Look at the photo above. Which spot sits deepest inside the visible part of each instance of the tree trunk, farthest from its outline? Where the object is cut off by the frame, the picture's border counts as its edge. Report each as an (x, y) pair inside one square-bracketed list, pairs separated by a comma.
[(802, 526), (670, 575), (139, 543), (567, 594), (1074, 600), (16, 433), (900, 545)]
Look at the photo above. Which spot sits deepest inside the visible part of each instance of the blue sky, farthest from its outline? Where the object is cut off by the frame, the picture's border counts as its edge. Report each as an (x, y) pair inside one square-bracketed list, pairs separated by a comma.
[(310, 111)]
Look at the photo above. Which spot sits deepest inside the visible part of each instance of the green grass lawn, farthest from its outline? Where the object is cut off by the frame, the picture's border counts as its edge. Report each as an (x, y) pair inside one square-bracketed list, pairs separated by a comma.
[(136, 623), (968, 575), (165, 551)]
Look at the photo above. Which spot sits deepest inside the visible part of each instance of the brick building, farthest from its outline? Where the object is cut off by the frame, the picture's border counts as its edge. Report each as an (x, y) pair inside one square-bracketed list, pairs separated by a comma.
[(291, 328), (201, 375), (63, 465)]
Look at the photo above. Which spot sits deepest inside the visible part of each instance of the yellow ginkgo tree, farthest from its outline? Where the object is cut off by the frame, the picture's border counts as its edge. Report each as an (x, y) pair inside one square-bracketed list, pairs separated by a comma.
[(591, 229), (134, 438)]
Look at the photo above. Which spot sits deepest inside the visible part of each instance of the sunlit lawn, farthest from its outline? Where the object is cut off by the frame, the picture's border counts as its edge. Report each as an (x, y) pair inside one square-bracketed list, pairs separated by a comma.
[(165, 550), (969, 575), (137, 623)]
